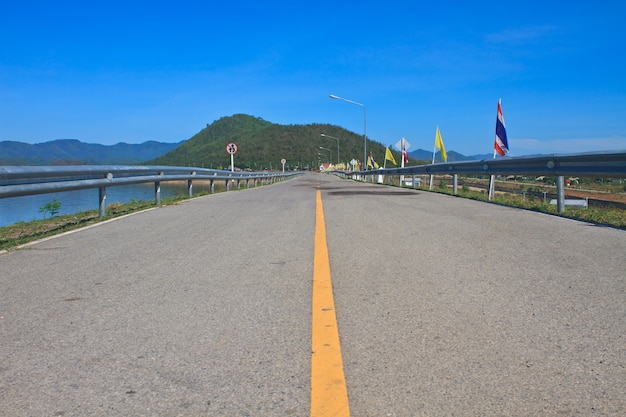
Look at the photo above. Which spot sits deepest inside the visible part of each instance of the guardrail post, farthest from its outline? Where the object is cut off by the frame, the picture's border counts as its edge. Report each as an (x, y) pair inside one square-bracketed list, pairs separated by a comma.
[(455, 186), (560, 194), (212, 186), (190, 188), (103, 201), (247, 182), (239, 183), (157, 192), (227, 185)]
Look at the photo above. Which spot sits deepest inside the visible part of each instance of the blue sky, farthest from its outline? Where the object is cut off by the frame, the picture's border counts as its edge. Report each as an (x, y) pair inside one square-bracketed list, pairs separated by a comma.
[(132, 71)]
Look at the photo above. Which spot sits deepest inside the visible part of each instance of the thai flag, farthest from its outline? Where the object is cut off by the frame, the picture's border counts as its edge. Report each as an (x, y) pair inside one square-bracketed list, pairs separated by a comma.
[(501, 146), (405, 154)]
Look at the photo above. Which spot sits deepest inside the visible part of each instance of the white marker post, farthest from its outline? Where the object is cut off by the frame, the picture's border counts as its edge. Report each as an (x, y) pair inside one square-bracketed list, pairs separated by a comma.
[(403, 146)]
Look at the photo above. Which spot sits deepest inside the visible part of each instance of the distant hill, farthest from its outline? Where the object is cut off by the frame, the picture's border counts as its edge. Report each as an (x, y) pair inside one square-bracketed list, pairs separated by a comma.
[(262, 144), (75, 152)]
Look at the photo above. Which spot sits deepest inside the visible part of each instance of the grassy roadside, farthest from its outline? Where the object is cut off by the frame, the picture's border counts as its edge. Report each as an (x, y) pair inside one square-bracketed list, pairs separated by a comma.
[(24, 232), (606, 216)]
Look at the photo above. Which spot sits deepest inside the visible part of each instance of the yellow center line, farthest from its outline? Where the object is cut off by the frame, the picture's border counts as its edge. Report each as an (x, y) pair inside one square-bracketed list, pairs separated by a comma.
[(329, 396)]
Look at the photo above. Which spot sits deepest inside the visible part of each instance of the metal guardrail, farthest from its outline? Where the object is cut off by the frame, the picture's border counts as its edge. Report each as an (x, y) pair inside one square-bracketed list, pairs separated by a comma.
[(595, 164), (16, 181)]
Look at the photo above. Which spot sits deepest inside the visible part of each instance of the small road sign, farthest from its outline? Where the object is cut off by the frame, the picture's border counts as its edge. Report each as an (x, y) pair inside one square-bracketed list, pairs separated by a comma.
[(231, 148), (403, 145)]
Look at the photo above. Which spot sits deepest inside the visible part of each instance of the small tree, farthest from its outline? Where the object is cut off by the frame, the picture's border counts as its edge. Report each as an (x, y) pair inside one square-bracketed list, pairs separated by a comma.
[(51, 207)]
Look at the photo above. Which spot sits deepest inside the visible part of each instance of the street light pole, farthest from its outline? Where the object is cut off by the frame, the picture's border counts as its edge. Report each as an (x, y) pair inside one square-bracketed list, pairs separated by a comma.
[(332, 137), (364, 124), (330, 158)]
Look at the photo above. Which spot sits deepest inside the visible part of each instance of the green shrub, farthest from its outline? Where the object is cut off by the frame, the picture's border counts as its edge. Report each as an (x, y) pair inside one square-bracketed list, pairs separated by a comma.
[(52, 207)]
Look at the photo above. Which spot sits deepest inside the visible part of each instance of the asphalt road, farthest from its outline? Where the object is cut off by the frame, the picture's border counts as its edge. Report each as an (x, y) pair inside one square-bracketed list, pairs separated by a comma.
[(445, 307)]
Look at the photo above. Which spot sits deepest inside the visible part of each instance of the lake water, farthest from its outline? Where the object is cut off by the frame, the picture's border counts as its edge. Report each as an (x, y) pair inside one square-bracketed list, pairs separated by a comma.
[(16, 209)]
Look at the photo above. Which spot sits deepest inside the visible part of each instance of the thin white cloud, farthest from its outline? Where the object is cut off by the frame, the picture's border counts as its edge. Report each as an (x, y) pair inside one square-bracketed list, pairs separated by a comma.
[(521, 35)]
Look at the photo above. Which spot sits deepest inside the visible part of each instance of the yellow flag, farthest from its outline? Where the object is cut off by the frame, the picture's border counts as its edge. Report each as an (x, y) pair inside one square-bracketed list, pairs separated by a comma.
[(389, 156), (439, 145)]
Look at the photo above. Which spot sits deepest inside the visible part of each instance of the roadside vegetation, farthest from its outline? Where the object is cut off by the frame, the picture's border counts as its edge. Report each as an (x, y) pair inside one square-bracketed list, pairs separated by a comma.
[(532, 196), (24, 232), (609, 216), (51, 208)]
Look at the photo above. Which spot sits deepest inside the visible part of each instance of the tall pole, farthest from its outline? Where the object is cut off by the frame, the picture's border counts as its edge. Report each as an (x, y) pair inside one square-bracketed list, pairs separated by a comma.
[(364, 124), (560, 193), (492, 183), (332, 137), (330, 158), (364, 137)]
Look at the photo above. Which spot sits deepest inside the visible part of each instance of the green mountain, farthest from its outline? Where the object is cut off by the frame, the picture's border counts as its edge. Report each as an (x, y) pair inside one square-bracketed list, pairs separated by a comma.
[(262, 144), (75, 152)]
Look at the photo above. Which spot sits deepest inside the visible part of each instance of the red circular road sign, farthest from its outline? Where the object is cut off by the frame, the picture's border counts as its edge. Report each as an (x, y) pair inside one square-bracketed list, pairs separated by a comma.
[(231, 148)]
